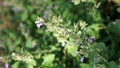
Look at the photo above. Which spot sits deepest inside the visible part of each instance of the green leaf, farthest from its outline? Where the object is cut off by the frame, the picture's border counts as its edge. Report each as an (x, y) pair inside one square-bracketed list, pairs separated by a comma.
[(29, 66), (94, 29), (118, 9), (48, 59), (76, 2), (115, 29), (33, 62), (99, 46), (18, 41), (24, 16), (83, 65), (112, 65), (33, 17), (30, 9), (91, 1), (101, 50), (71, 49), (29, 42), (15, 65)]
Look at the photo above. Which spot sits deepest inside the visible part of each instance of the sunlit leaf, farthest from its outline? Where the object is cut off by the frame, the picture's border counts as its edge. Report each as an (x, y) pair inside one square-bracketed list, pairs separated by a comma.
[(48, 60)]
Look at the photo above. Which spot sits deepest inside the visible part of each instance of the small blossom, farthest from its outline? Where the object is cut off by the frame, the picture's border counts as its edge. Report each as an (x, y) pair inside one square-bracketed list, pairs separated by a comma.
[(15, 9), (76, 53), (82, 59), (76, 2), (90, 39), (1, 58), (6, 65), (78, 43), (21, 24), (47, 30), (63, 44), (72, 0), (33, 46), (38, 23), (113, 23), (96, 60)]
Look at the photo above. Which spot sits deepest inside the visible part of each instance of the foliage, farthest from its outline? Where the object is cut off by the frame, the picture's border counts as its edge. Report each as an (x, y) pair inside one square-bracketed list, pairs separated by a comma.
[(58, 34)]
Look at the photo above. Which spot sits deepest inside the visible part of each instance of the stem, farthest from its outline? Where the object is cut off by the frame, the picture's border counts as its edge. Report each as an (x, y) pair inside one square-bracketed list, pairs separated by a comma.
[(102, 57)]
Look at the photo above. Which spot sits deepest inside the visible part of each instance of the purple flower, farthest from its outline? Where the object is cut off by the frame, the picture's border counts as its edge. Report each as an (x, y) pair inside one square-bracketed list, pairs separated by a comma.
[(90, 39), (82, 59), (38, 23), (6, 65), (45, 14), (63, 44)]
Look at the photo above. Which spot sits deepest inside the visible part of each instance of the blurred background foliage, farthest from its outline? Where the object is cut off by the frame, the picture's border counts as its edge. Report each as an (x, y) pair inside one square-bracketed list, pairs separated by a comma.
[(23, 45)]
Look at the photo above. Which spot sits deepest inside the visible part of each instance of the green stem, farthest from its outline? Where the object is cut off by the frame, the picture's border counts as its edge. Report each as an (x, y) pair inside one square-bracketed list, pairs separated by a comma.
[(102, 57)]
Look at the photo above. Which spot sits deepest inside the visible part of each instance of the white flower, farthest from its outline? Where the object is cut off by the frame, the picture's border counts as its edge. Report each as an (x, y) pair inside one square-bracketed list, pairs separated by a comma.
[(63, 44), (38, 23)]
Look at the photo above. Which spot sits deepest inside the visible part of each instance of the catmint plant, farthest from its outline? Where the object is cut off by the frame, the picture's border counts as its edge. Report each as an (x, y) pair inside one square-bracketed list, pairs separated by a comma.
[(76, 35)]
